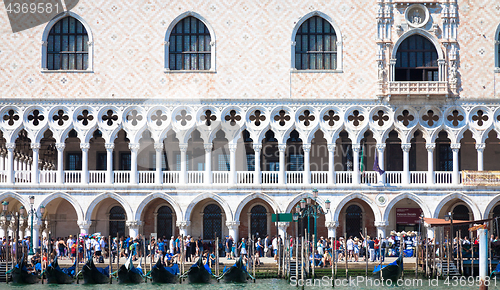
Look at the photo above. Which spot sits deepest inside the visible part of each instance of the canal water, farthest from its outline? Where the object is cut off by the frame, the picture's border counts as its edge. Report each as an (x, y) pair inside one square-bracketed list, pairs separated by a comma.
[(272, 284)]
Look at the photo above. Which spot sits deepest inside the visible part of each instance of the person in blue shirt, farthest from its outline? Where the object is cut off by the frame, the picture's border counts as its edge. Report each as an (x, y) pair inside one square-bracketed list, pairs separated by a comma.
[(318, 259), (161, 248)]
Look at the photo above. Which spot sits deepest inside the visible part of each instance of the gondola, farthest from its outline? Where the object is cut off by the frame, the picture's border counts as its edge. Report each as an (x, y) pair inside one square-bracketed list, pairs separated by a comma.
[(21, 275), (93, 274), (236, 273), (391, 271), (162, 274), (130, 274), (58, 275), (199, 273)]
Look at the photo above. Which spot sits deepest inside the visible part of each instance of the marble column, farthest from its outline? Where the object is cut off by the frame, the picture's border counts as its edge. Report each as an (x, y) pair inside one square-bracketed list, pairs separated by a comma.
[(430, 162), (331, 163), (282, 171), (480, 153), (84, 226), (257, 173), (85, 162), (233, 227), (35, 174), (183, 173), (406, 163), (133, 228), (183, 227), (159, 164), (60, 162), (381, 227), (208, 162), (109, 162), (381, 162), (355, 156), (232, 163), (36, 233), (134, 149), (282, 226), (455, 147), (332, 229), (306, 179), (10, 162)]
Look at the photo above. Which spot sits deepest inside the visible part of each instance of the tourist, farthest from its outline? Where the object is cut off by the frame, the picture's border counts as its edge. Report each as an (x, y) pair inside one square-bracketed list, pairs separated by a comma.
[(243, 248), (229, 246), (371, 248), (350, 248), (187, 248), (318, 259), (199, 247), (171, 245), (383, 246), (69, 244), (319, 246), (274, 244), (267, 246)]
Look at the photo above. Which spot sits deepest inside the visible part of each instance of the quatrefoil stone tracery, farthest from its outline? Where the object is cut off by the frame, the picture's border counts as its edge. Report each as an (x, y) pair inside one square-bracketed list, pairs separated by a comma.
[(110, 117), (134, 117), (307, 118), (257, 118), (282, 118), (35, 117), (480, 118), (158, 117), (11, 117), (430, 118), (455, 118), (356, 118), (380, 118), (60, 117), (232, 118), (208, 117), (183, 117), (85, 117), (331, 118), (405, 118)]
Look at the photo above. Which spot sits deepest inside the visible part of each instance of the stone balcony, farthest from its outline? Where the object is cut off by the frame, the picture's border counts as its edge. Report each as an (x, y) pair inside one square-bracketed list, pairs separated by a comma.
[(417, 89)]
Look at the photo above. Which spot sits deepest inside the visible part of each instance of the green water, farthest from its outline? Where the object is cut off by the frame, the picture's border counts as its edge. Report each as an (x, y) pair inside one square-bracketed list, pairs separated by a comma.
[(268, 284)]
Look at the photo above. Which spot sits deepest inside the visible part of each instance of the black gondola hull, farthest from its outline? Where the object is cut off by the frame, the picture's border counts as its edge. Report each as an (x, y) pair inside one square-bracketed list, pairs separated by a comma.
[(128, 277), (22, 277), (236, 275), (390, 272), (160, 275), (199, 276), (92, 276), (55, 276)]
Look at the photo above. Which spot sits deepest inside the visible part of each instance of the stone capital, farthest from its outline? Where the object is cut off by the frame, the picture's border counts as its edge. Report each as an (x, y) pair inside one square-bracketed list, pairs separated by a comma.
[(35, 146), (430, 146), (232, 147), (84, 224), (60, 146), (405, 147), (232, 225), (134, 146), (455, 146), (183, 224), (257, 147), (109, 146), (331, 147), (331, 224), (208, 147), (380, 224), (283, 225), (381, 146), (306, 147), (282, 147), (158, 146), (10, 146), (356, 147), (183, 147), (133, 224), (480, 146), (85, 146)]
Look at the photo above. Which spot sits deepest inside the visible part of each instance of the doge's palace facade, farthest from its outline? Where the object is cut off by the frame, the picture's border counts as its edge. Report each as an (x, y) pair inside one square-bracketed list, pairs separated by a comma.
[(206, 117)]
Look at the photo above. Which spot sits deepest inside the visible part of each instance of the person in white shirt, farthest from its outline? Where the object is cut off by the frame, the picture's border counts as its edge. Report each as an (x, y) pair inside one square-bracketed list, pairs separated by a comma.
[(350, 248), (69, 243), (275, 247), (171, 245), (102, 244)]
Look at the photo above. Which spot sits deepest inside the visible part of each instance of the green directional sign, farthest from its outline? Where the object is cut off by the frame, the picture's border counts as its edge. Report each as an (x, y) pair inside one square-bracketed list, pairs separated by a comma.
[(282, 217)]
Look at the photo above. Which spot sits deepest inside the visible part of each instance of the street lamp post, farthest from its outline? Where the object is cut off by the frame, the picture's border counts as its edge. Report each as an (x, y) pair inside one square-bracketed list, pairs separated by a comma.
[(311, 209), (33, 214)]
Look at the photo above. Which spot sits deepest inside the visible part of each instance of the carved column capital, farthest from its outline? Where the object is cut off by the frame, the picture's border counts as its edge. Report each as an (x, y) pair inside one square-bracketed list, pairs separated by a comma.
[(10, 146), (158, 147), (306, 147), (406, 147), (133, 224), (380, 224), (281, 147), (480, 146), (35, 146), (85, 146), (331, 147), (381, 146), (60, 146), (331, 224), (208, 147), (183, 147), (232, 147), (183, 224), (109, 146), (356, 147), (455, 146), (232, 225), (257, 147), (134, 146), (430, 146)]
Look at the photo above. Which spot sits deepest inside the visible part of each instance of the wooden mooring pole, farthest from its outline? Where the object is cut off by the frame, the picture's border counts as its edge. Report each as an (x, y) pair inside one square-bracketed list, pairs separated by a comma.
[(110, 247)]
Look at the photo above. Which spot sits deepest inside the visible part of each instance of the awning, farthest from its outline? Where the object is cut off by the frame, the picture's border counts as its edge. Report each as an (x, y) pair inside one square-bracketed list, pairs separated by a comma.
[(443, 222)]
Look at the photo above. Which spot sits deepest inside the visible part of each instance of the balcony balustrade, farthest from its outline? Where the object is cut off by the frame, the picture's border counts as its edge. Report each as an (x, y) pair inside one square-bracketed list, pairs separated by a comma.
[(417, 88), (367, 178)]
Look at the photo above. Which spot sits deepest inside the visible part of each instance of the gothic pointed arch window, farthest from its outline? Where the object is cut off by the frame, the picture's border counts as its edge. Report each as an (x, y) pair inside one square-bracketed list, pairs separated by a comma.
[(497, 49), (316, 45), (117, 218), (189, 45), (258, 221), (212, 222), (67, 45), (164, 222), (416, 60)]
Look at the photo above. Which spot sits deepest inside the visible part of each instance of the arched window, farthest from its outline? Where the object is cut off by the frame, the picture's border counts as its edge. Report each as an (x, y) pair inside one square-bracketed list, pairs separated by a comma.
[(67, 45), (496, 213), (164, 222), (316, 45), (117, 218), (417, 60), (258, 221), (461, 212), (353, 222), (212, 222), (189, 45)]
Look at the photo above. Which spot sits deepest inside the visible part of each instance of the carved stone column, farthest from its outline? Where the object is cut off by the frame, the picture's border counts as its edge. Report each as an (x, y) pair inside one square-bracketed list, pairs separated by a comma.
[(307, 163), (480, 152), (10, 162), (159, 164), (109, 162), (282, 171), (60, 162), (257, 173), (430, 162), (381, 163), (455, 147), (85, 162), (355, 173), (208, 162), (332, 229), (331, 163), (133, 228), (183, 227), (183, 173), (134, 148), (406, 163), (35, 148), (232, 163), (233, 229)]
